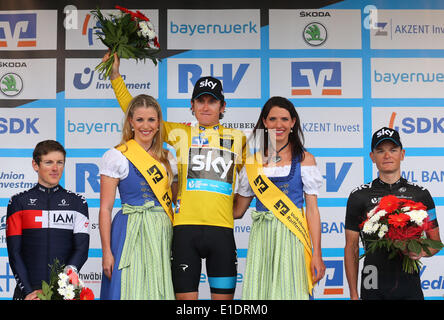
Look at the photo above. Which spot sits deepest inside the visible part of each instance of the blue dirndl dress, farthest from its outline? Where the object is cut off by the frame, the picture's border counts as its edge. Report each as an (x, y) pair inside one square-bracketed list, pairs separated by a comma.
[(135, 191)]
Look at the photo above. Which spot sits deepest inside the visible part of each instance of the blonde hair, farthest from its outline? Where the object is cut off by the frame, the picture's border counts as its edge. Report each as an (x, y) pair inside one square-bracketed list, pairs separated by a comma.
[(159, 153)]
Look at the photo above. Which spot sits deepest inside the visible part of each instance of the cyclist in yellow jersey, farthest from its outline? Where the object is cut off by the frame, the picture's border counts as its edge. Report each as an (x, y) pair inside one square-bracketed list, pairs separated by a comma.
[(209, 157)]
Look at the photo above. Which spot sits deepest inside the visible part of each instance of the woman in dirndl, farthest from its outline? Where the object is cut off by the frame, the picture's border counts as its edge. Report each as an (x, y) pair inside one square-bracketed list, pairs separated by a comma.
[(136, 246), (275, 266)]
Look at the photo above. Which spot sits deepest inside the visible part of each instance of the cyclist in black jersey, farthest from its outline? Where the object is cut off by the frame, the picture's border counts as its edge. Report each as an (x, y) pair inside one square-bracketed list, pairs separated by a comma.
[(381, 277), (44, 223)]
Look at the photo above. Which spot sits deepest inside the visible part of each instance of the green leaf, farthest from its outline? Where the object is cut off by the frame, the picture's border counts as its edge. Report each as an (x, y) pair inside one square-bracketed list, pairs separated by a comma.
[(414, 246), (426, 249), (435, 244), (401, 245), (41, 296), (46, 292)]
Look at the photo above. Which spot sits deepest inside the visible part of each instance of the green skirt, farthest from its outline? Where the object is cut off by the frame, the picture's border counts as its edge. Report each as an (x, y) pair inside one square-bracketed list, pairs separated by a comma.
[(275, 267), (146, 256)]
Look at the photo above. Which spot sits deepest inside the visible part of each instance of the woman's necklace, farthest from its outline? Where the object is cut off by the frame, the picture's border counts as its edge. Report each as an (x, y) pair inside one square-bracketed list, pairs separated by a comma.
[(277, 157), (152, 142)]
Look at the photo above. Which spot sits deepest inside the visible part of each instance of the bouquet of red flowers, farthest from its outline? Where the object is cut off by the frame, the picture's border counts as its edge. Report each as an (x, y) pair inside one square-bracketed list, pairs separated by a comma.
[(131, 35), (64, 284), (400, 226)]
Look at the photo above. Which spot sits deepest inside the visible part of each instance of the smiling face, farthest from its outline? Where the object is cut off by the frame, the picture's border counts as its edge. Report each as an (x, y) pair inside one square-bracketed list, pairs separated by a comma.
[(145, 122), (50, 168), (388, 156), (207, 109), (279, 124)]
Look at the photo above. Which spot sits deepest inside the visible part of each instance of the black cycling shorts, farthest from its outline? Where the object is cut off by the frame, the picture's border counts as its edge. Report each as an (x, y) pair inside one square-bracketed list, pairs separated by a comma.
[(191, 244)]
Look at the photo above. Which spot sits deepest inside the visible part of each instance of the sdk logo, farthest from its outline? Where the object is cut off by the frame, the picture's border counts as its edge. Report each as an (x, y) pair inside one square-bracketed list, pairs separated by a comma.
[(417, 125), (316, 78), (18, 30)]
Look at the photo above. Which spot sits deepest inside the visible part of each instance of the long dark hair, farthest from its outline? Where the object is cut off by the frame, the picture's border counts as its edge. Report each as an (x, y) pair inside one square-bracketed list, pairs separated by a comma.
[(296, 136)]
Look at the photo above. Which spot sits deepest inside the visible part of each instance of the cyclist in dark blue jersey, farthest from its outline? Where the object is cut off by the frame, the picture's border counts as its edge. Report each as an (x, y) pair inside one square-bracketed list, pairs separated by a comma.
[(45, 223)]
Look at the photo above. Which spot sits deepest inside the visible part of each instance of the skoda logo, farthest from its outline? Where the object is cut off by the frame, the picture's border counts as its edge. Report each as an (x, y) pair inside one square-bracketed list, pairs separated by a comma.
[(315, 34), (11, 84)]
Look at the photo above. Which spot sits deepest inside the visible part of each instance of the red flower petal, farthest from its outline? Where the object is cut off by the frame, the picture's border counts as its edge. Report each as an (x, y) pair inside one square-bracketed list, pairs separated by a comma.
[(398, 220)]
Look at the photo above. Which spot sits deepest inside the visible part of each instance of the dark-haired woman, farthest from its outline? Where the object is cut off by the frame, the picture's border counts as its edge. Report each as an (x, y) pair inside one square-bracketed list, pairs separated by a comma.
[(284, 252)]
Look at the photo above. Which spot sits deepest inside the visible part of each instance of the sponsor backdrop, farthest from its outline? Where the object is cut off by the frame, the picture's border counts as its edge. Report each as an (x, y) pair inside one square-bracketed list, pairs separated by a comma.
[(349, 67)]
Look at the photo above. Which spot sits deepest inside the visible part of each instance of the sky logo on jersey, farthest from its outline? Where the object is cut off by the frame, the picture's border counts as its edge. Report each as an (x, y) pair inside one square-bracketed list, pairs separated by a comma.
[(18, 30), (211, 170), (316, 78)]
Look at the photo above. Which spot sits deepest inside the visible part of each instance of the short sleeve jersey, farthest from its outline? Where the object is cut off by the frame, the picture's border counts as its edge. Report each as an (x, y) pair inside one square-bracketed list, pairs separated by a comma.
[(392, 281), (208, 159)]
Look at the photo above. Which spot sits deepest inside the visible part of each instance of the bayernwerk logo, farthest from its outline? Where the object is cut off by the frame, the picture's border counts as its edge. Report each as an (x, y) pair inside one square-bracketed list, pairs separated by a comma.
[(11, 84), (315, 34)]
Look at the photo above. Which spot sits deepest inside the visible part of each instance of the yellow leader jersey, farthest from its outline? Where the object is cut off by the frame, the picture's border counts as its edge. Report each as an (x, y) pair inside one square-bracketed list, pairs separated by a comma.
[(208, 159)]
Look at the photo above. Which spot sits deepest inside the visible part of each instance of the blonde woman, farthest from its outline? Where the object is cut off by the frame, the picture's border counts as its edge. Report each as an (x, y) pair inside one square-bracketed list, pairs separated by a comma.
[(136, 246)]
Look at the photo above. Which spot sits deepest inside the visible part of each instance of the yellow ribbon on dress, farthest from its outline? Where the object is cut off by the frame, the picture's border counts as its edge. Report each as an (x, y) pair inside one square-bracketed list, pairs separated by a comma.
[(281, 206), (153, 172)]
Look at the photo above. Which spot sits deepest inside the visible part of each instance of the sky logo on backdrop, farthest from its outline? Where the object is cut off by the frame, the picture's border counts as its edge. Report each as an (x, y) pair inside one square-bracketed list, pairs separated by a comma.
[(316, 78), (18, 30)]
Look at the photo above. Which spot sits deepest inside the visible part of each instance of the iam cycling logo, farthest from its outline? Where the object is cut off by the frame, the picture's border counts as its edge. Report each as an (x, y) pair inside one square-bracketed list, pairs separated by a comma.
[(18, 30), (316, 78)]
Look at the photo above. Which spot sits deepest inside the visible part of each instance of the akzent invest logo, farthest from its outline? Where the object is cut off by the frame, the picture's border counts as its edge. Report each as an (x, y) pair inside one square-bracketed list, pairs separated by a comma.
[(380, 29)]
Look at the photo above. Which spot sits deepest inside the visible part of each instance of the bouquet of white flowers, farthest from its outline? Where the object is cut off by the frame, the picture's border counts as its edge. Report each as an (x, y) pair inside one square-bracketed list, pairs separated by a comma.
[(399, 226), (64, 284)]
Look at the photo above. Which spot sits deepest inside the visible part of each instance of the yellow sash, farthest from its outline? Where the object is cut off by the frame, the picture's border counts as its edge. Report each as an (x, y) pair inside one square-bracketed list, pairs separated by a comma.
[(281, 206), (153, 172)]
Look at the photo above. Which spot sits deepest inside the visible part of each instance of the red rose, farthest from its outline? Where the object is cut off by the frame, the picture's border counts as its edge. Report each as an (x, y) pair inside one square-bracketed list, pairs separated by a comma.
[(389, 203), (86, 294)]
